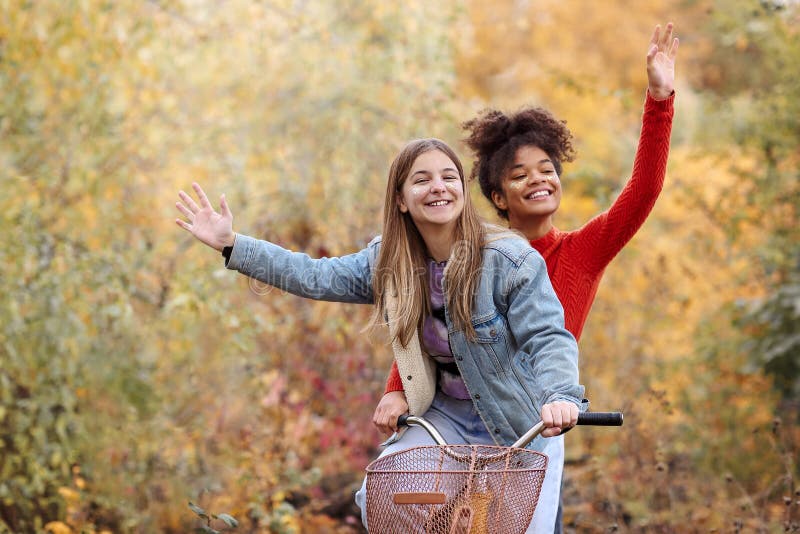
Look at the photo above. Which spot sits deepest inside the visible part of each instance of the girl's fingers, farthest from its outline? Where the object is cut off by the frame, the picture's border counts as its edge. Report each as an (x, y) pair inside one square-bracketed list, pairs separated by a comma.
[(201, 195), (558, 420), (183, 224), (652, 52), (547, 417), (189, 202), (673, 51), (223, 204), (667, 36), (663, 41), (656, 33), (559, 415), (186, 211), (385, 424)]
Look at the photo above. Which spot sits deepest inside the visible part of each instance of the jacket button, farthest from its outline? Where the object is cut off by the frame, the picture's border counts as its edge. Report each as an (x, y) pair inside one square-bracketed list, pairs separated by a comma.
[(496, 430), (477, 396), (492, 332), (459, 358), (409, 377)]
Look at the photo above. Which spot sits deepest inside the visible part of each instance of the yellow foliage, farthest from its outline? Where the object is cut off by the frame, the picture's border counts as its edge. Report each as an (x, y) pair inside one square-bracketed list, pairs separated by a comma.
[(57, 527), (180, 377), (69, 494), (277, 498)]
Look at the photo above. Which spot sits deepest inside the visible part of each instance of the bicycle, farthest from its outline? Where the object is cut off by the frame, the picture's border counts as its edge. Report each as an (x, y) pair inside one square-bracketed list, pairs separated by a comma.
[(460, 489)]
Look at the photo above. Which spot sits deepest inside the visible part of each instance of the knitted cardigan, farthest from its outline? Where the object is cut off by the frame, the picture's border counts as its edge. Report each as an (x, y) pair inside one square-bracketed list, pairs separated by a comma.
[(417, 370)]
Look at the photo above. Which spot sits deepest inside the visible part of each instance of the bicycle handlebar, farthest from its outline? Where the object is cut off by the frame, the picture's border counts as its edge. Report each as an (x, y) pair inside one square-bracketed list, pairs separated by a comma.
[(600, 418), (585, 418)]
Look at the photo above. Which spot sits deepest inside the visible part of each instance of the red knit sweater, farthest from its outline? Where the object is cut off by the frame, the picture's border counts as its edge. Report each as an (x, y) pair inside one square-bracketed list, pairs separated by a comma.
[(576, 260)]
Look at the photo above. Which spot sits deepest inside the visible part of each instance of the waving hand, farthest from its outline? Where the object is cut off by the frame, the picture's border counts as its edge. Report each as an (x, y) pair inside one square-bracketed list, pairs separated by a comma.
[(661, 62), (212, 228)]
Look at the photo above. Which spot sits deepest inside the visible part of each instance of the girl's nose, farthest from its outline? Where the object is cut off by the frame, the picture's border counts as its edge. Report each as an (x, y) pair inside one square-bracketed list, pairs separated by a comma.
[(438, 185)]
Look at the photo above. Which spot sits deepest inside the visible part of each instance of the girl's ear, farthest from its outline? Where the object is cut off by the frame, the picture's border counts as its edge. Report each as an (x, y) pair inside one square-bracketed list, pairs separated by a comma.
[(401, 203), (499, 200)]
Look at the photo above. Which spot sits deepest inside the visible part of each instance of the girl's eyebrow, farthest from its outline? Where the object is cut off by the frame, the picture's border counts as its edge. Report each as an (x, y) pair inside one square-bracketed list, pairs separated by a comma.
[(520, 165), (423, 171)]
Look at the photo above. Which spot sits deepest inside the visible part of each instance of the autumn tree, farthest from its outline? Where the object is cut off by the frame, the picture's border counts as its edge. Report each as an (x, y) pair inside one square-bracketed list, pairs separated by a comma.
[(756, 98), (135, 373)]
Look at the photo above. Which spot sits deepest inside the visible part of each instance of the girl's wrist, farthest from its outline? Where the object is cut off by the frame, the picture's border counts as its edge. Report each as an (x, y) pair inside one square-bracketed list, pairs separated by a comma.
[(660, 94), (230, 241)]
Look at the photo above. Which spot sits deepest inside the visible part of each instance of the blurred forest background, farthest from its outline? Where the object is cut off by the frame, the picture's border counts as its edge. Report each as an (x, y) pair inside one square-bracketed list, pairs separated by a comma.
[(137, 374)]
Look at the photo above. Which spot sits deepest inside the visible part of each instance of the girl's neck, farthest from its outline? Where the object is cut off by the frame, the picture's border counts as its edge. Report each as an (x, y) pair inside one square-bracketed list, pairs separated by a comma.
[(532, 227), (439, 242)]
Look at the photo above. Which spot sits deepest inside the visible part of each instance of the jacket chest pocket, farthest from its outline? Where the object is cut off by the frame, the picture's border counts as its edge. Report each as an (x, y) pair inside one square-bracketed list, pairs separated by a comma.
[(491, 330), (491, 344)]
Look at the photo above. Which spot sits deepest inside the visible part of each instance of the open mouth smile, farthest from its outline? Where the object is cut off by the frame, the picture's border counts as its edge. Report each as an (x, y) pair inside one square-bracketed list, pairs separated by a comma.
[(437, 203), (536, 195)]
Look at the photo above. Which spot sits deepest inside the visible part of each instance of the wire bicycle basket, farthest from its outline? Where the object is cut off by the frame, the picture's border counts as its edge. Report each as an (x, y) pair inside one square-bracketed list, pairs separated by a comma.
[(459, 489), (454, 489)]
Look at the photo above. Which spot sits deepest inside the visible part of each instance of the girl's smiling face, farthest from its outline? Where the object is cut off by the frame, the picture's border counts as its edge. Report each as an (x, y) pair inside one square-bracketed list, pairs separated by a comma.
[(530, 188), (433, 192)]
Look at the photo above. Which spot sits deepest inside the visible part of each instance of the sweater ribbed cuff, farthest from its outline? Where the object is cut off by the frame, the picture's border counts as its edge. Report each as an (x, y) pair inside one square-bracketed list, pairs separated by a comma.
[(665, 104), (393, 383)]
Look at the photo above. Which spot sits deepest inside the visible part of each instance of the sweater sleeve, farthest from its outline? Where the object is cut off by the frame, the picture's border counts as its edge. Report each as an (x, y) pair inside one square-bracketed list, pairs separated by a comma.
[(394, 382), (604, 236)]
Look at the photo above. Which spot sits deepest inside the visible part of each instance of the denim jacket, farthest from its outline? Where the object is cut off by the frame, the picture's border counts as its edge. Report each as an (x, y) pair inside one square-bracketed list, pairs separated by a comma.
[(522, 356)]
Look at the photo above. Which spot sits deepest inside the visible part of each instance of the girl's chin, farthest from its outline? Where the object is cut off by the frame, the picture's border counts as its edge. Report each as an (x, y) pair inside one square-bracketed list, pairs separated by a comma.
[(530, 215), (436, 221), (540, 209)]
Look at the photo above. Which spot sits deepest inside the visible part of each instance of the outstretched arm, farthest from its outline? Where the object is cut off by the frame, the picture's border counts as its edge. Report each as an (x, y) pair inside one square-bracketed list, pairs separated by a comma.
[(339, 279), (605, 235)]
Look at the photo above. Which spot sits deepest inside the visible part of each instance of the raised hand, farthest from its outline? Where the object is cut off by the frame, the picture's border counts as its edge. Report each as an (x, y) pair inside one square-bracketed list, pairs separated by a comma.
[(212, 228), (661, 62)]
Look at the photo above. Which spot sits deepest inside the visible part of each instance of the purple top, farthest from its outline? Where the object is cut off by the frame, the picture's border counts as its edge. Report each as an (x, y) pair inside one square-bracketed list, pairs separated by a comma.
[(434, 336)]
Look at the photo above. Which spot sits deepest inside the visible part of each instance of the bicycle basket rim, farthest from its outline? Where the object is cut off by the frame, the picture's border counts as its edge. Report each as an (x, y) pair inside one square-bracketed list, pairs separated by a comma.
[(376, 466)]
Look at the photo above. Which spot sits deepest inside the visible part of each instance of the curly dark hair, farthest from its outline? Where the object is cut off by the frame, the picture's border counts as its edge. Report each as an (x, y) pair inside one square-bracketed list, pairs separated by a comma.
[(495, 137)]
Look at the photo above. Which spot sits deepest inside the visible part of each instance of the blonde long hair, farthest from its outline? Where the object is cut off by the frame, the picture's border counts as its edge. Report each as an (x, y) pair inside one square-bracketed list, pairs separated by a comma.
[(401, 264)]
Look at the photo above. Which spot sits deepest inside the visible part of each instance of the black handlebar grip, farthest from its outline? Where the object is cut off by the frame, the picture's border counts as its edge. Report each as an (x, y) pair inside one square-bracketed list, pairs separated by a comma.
[(401, 421), (600, 418)]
